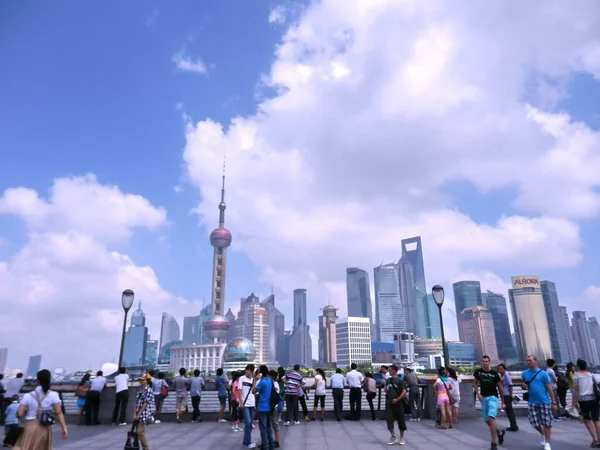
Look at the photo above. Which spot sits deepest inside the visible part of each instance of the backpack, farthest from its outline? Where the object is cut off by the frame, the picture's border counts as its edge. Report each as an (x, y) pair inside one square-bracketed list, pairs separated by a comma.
[(274, 400), (562, 382)]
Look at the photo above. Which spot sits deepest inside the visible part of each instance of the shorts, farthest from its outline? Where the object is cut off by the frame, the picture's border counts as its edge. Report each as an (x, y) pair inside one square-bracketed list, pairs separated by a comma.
[(395, 414), (590, 410), (540, 415), (456, 403), (443, 399), (181, 404), (275, 421), (222, 400), (489, 407), (158, 401), (321, 399)]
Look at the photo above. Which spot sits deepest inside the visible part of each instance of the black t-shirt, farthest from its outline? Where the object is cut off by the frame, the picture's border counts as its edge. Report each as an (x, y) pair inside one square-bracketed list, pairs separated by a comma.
[(393, 389), (488, 382)]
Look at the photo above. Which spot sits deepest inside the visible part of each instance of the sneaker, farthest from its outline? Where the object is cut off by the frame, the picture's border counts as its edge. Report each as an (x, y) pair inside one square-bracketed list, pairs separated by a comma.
[(418, 420), (276, 445), (222, 421), (124, 424), (232, 427), (250, 445), (392, 440), (543, 442), (401, 441), (287, 423), (547, 446), (296, 423), (501, 437), (156, 421), (178, 420), (494, 446), (253, 426)]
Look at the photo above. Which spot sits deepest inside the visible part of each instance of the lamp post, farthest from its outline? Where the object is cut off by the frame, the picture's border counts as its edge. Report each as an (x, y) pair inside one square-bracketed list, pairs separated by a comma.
[(126, 302), (438, 297)]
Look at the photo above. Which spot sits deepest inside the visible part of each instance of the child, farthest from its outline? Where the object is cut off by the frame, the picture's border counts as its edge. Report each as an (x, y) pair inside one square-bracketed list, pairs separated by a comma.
[(11, 420)]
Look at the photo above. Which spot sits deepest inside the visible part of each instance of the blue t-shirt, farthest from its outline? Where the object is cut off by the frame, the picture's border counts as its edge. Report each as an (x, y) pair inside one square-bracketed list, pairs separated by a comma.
[(263, 388), (538, 395), (221, 386), (11, 414)]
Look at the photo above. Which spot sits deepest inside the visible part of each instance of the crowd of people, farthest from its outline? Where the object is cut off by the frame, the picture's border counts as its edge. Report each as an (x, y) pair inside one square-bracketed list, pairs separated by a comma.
[(258, 395)]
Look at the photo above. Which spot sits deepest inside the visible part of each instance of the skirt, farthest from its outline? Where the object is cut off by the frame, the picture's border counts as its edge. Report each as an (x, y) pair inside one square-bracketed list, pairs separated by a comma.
[(35, 436)]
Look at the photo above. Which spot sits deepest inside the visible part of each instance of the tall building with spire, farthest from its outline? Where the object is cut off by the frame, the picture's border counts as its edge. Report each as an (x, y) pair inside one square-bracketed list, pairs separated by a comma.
[(136, 339), (217, 325)]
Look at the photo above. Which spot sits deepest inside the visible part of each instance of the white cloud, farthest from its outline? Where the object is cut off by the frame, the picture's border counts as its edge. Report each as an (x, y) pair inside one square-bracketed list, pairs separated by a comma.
[(63, 286), (187, 64), (378, 106), (277, 15)]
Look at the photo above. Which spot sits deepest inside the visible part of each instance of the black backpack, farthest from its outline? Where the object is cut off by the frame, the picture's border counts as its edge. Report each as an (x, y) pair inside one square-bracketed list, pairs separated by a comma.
[(275, 398)]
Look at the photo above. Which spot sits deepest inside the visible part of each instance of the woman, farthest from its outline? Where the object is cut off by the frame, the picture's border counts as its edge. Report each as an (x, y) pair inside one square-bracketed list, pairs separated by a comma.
[(454, 383), (370, 387), (157, 390), (36, 436), (235, 402), (585, 398), (319, 387), (281, 383), (84, 386), (441, 388)]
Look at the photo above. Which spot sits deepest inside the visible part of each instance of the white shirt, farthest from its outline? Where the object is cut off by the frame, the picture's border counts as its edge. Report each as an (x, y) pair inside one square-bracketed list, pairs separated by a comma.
[(13, 387), (121, 382), (98, 384), (320, 388), (586, 385), (552, 376), (456, 388), (354, 379), (30, 401), (386, 376), (246, 384)]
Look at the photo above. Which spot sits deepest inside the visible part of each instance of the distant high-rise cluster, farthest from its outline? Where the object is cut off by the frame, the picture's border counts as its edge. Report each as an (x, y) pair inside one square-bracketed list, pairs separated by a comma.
[(136, 339)]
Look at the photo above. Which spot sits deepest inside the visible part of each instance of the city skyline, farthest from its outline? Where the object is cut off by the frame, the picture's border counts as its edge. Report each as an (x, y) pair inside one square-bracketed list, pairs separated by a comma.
[(336, 149)]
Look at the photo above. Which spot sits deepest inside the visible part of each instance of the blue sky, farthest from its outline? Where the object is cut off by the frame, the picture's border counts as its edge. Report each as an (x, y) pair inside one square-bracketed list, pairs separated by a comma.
[(354, 126)]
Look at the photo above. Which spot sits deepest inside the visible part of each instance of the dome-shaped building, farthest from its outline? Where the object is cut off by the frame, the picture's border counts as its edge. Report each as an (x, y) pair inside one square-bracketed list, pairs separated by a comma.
[(164, 356), (239, 349)]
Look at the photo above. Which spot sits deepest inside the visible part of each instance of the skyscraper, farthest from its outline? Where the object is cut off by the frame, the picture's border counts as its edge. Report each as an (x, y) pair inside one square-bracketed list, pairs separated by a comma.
[(217, 325), (389, 312), (558, 334), (476, 326), (529, 318), (3, 359), (584, 346), (467, 294), (283, 349), (35, 363), (169, 330), (276, 325), (136, 337), (496, 305), (353, 341), (255, 326), (151, 352), (435, 332), (594, 328), (412, 253), (567, 324), (358, 293), (327, 336), (300, 341)]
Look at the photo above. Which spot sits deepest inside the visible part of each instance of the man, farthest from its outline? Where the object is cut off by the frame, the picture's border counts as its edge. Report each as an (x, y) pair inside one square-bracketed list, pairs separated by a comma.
[(1, 398), (275, 417), (196, 385), (221, 382), (92, 399), (12, 388), (337, 391), (293, 380), (507, 389), (246, 383), (354, 380), (143, 409), (384, 371), (265, 412), (414, 394), (542, 402), (122, 396), (181, 384), (395, 392), (551, 371), (490, 385)]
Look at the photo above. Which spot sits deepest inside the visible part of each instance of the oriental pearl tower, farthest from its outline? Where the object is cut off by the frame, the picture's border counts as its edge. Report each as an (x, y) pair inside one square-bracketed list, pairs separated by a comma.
[(216, 326)]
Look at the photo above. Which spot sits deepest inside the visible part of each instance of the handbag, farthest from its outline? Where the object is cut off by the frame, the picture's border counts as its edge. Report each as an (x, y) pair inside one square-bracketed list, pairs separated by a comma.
[(47, 417), (526, 394), (81, 392), (132, 442)]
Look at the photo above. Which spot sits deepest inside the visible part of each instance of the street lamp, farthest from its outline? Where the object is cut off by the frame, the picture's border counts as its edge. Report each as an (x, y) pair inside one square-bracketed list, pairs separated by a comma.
[(126, 302), (438, 297)]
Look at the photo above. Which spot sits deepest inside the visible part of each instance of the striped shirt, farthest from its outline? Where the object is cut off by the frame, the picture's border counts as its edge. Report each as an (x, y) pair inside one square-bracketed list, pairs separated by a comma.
[(292, 381)]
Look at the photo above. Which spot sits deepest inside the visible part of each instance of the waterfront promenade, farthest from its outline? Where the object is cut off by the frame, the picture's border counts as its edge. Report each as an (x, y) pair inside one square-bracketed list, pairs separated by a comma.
[(328, 435)]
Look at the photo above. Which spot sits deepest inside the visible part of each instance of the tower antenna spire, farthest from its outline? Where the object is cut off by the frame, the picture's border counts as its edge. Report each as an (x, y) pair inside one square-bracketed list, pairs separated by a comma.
[(222, 205)]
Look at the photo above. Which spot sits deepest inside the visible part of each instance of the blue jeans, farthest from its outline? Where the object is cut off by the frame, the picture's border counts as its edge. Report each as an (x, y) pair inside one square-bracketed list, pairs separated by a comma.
[(248, 412), (266, 432)]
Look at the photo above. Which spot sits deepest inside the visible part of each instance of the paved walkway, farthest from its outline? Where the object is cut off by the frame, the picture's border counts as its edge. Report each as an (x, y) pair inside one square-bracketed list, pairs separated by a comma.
[(366, 434)]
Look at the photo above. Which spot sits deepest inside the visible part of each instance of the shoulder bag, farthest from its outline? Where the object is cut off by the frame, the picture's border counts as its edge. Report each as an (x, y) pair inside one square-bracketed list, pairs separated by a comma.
[(450, 396), (526, 394)]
